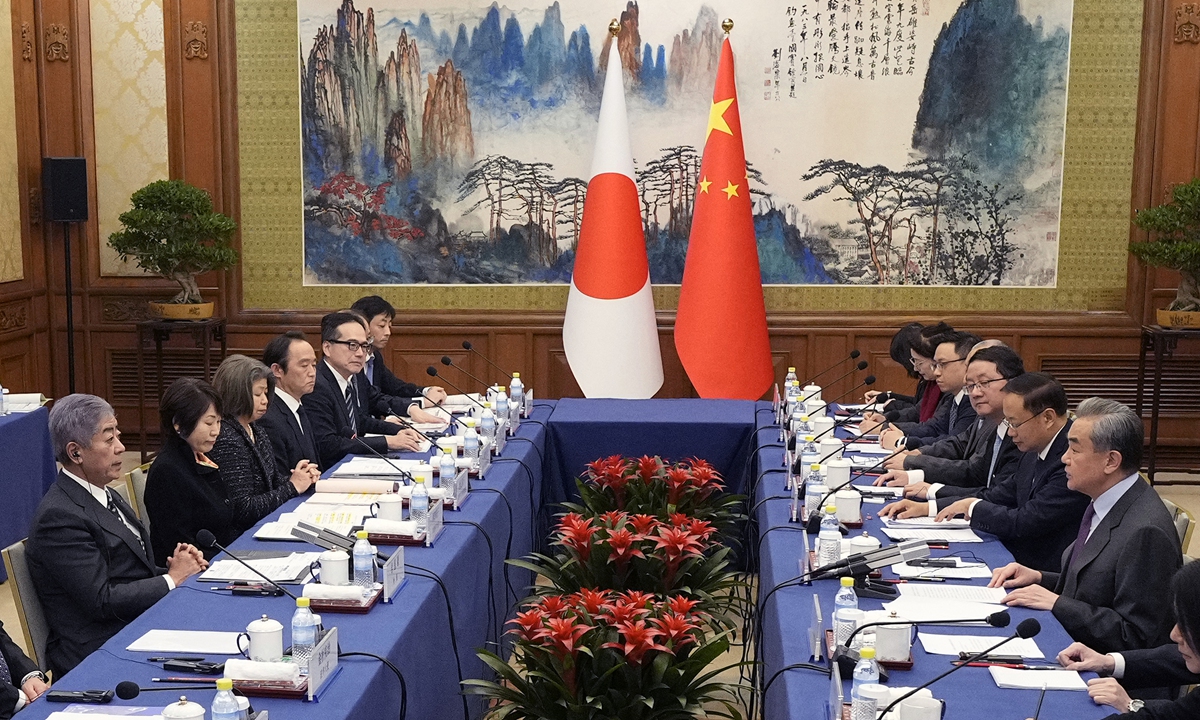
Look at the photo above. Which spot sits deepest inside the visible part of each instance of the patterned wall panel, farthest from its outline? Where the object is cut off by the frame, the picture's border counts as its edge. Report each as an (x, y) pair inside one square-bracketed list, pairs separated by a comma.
[(129, 97), (10, 191), (1101, 116)]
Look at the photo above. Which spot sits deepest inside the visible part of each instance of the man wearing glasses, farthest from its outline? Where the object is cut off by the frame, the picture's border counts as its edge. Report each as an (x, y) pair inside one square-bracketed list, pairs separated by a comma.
[(338, 406), (954, 413)]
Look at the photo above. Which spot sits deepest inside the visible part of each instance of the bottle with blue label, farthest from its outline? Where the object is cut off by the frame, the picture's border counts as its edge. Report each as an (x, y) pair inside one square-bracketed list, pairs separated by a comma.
[(846, 599), (446, 471), (418, 505), (470, 442), (814, 491), (829, 540), (304, 632), (364, 564), (501, 406), (487, 423), (225, 704), (790, 377), (866, 672), (809, 455)]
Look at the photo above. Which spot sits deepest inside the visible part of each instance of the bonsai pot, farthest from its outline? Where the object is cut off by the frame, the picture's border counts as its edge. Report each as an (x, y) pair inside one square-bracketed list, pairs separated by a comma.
[(1178, 319), (189, 311)]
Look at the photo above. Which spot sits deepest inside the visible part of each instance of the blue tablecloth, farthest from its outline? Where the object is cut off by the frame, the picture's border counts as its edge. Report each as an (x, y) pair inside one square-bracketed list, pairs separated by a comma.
[(584, 430), (413, 632), (29, 471), (800, 694)]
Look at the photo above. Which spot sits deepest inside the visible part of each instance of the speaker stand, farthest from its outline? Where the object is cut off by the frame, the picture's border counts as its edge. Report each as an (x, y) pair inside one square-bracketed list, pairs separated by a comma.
[(70, 309)]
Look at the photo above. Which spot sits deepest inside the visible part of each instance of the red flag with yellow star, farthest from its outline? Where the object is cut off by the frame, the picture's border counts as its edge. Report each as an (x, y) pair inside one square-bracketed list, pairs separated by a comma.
[(721, 326)]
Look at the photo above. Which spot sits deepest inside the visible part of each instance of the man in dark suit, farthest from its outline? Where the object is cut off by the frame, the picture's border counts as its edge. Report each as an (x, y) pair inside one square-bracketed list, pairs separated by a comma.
[(404, 398), (954, 413), (294, 364), (1031, 509), (1134, 670), (89, 556), (21, 681), (1114, 591), (339, 407)]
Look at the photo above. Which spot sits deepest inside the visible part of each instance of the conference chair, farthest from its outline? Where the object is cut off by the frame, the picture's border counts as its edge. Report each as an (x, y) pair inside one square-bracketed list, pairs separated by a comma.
[(137, 484), (121, 487), (29, 609), (1184, 523)]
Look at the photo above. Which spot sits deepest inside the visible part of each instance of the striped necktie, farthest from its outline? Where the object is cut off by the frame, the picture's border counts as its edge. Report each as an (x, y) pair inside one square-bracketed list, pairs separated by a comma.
[(995, 457), (350, 406), (5, 673), (953, 417), (112, 508)]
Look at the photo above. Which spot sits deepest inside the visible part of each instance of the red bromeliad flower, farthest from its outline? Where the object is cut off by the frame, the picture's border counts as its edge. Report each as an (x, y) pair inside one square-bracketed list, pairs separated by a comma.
[(677, 545), (639, 640), (576, 532), (623, 548), (699, 463), (676, 629), (621, 611), (644, 524), (591, 601), (648, 467), (681, 605), (528, 623), (677, 480), (637, 597), (613, 519), (700, 528), (553, 606), (680, 519), (562, 635)]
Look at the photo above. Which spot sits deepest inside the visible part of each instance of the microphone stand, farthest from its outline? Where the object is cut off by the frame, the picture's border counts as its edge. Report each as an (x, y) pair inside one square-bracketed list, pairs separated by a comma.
[(867, 381), (209, 540), (450, 363), (860, 366), (814, 527), (431, 371), (468, 346), (847, 657), (854, 354)]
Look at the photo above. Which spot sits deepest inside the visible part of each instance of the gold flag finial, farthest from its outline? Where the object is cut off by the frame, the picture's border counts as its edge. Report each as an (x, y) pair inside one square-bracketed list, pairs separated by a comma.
[(727, 25), (614, 27)]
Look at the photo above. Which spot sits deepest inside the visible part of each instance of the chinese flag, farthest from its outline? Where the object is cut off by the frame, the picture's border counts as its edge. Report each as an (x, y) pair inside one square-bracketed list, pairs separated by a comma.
[(721, 327)]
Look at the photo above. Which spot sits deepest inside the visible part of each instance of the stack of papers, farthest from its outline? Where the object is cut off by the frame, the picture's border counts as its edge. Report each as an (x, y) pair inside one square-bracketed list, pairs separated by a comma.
[(360, 466), (955, 593), (926, 523), (964, 571), (873, 448), (948, 534), (935, 644), (340, 519), (924, 609), (291, 569), (23, 402), (1014, 679), (191, 642)]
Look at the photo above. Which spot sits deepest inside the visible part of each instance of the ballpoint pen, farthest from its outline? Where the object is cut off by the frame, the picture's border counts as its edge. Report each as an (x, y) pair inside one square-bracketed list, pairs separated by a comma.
[(1039, 707), (178, 659), (1014, 666)]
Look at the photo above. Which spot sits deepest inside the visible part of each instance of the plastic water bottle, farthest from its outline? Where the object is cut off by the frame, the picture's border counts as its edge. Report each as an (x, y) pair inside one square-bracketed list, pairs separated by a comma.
[(866, 672), (225, 705), (792, 395), (304, 633), (364, 564), (3, 411), (802, 425), (471, 442), (846, 599), (516, 396), (809, 455), (487, 423), (501, 406), (829, 540), (418, 505), (790, 377), (814, 491), (446, 471)]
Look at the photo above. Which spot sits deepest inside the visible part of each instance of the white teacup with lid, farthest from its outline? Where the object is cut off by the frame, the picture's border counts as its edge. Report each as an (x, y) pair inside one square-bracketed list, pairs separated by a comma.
[(264, 640)]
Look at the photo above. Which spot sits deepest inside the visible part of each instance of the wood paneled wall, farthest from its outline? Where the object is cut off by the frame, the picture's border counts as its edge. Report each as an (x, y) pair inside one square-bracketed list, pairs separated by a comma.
[(1094, 353)]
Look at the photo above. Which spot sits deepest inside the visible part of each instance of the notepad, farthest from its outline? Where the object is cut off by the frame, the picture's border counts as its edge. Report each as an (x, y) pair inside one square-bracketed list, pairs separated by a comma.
[(926, 523), (365, 467), (939, 644), (291, 569), (193, 642), (920, 610), (1014, 679), (964, 571), (956, 593), (966, 535)]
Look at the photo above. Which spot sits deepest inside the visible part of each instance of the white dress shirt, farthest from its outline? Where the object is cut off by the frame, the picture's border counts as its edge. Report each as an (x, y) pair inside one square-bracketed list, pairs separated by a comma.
[(1103, 504), (1041, 456), (293, 404)]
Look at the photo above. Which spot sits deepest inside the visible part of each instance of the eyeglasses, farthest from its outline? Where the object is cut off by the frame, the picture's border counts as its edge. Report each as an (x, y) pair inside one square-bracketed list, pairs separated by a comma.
[(354, 346), (918, 363), (939, 365), (981, 385), (1013, 426)]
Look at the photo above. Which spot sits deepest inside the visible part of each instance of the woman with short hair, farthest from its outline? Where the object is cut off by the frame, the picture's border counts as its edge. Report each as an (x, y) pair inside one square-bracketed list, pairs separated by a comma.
[(184, 490), (255, 484)]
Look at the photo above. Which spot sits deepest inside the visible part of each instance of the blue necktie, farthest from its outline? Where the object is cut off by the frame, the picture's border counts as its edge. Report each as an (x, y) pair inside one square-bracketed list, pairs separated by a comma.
[(371, 368), (995, 457), (953, 417)]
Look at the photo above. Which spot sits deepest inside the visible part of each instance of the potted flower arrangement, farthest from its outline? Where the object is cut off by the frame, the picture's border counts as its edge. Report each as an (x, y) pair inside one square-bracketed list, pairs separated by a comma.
[(172, 231), (1176, 245)]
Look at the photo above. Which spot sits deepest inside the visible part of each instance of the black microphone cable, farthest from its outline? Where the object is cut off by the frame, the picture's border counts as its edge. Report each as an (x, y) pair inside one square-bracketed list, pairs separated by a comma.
[(508, 542), (541, 458), (394, 669), (491, 590), (431, 575), (533, 543), (782, 670)]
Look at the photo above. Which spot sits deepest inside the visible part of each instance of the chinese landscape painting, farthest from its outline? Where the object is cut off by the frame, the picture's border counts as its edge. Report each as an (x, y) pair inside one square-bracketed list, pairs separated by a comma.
[(889, 142)]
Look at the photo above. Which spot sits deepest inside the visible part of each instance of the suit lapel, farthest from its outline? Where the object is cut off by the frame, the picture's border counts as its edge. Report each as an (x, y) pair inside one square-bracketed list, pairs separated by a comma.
[(106, 520), (1100, 536), (335, 390)]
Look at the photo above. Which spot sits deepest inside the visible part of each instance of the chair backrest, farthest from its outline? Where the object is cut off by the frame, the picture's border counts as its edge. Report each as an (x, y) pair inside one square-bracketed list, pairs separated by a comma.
[(1183, 523), (137, 482), (122, 488), (29, 608)]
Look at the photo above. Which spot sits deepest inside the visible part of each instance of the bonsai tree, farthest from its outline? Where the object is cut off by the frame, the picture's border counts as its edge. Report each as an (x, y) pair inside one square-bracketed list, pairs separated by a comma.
[(1176, 243), (172, 231)]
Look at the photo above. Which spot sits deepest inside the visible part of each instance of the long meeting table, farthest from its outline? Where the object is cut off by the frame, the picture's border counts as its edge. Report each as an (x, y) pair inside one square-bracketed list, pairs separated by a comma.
[(412, 631), (800, 694)]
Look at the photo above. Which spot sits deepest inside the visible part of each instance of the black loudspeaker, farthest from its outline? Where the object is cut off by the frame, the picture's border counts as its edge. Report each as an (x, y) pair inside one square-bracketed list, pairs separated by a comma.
[(65, 189)]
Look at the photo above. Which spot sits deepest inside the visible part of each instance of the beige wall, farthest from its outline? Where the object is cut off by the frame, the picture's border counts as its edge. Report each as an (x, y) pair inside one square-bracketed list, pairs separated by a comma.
[(10, 191)]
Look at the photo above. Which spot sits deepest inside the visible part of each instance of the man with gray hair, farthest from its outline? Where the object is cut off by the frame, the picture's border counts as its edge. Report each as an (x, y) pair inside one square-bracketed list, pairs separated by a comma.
[(1114, 591), (89, 556)]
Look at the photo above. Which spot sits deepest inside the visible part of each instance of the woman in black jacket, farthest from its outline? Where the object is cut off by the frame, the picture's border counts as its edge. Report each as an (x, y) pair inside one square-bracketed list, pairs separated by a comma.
[(184, 491), (255, 485)]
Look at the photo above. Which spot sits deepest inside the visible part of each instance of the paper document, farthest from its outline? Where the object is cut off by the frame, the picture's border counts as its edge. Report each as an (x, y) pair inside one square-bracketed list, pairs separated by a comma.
[(1013, 679), (926, 522), (957, 593), (869, 448), (936, 644), (964, 571), (363, 466), (23, 402), (192, 642), (342, 498), (340, 519), (950, 535), (290, 569), (918, 609), (75, 710)]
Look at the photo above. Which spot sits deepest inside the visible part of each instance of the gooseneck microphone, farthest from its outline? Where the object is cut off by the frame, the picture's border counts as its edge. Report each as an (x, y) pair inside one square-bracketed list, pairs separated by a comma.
[(852, 356), (847, 657), (206, 539), (450, 363), (471, 348), (868, 380), (408, 425), (862, 365), (385, 458), (1027, 628), (433, 372), (128, 690)]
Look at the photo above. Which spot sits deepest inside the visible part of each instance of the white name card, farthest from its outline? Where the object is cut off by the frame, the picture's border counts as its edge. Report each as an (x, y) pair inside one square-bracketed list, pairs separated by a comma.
[(323, 663), (501, 436), (462, 485), (528, 403), (485, 456), (433, 526), (393, 574)]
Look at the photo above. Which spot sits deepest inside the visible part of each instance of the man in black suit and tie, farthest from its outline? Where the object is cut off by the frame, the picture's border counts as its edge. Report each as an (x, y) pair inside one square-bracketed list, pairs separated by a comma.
[(294, 364), (1114, 591), (954, 413), (1163, 666), (404, 398), (89, 557), (1030, 509), (21, 680), (339, 407)]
